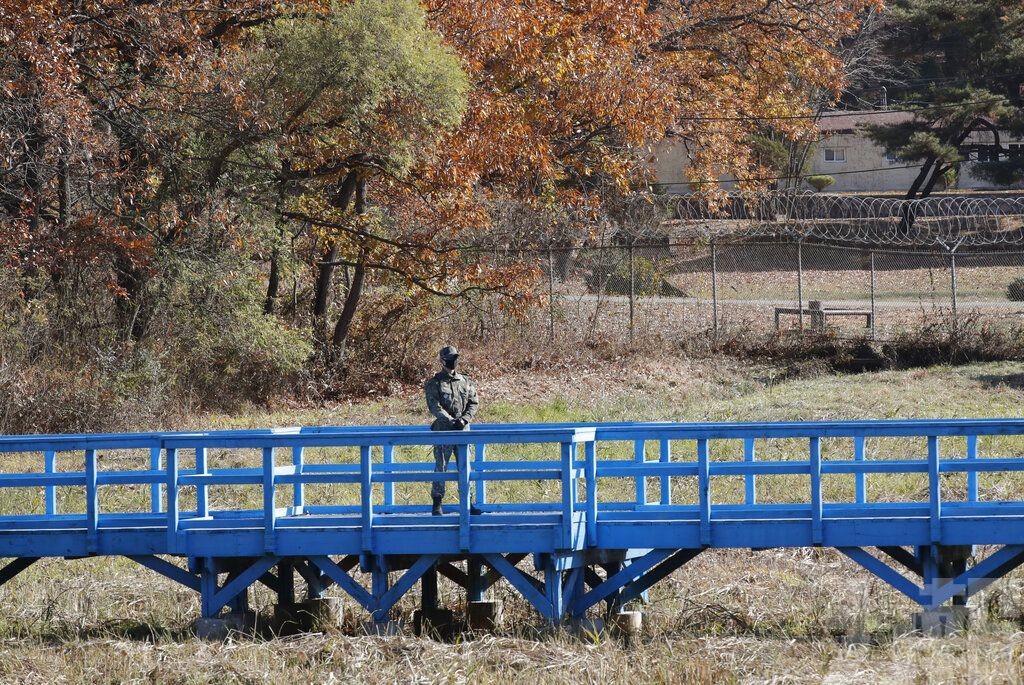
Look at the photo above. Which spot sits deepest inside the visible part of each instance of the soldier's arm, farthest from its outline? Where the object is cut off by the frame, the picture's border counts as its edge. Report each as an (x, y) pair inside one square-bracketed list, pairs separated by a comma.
[(472, 403), (434, 402)]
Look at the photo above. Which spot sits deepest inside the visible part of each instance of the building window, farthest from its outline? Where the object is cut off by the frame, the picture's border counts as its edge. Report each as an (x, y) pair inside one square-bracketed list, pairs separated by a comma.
[(835, 154), (988, 154)]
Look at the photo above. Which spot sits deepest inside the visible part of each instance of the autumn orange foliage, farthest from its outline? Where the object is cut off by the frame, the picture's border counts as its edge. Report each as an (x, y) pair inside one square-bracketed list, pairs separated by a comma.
[(100, 99)]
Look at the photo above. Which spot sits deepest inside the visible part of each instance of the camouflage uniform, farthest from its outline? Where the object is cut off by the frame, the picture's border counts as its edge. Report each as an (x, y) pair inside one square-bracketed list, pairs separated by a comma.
[(450, 395)]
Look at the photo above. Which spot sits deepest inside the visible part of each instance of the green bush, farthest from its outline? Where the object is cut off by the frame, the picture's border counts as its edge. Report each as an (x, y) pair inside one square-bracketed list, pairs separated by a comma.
[(820, 182), (612, 277), (220, 349), (1015, 291)]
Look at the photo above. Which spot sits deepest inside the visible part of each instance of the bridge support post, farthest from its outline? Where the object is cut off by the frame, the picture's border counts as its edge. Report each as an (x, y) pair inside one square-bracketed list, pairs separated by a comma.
[(315, 614), (481, 614), (941, 566), (211, 625), (554, 590), (430, 619)]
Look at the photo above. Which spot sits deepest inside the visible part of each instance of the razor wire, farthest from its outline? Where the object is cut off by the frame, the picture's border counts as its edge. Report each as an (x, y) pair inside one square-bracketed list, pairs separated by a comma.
[(946, 222)]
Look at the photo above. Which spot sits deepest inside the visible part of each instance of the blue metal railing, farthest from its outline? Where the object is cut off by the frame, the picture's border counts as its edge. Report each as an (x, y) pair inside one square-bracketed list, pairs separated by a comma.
[(166, 474), (661, 532)]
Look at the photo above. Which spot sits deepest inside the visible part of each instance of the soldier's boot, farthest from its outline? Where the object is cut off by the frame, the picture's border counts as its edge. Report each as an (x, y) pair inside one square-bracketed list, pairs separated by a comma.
[(436, 510)]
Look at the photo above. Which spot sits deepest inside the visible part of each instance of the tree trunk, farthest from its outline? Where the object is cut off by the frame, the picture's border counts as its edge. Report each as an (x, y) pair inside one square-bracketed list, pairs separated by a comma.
[(274, 281), (326, 269), (348, 312), (340, 338), (132, 307)]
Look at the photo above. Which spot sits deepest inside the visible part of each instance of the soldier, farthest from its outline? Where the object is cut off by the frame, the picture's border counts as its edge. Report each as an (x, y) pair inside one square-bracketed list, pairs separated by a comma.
[(451, 398)]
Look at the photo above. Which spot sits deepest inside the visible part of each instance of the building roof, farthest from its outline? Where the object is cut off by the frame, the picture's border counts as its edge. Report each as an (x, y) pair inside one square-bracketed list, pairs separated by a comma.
[(847, 121)]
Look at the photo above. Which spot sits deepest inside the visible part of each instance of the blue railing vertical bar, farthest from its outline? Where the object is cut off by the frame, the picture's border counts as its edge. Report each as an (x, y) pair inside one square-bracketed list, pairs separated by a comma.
[(388, 457), (366, 495), (860, 483), (590, 471), (269, 508), (202, 489), (156, 489), (704, 490), (934, 489), (568, 491), (92, 501), (480, 456), (50, 458), (972, 476), (462, 455), (640, 456), (298, 488), (172, 499), (665, 457), (816, 503), (750, 479)]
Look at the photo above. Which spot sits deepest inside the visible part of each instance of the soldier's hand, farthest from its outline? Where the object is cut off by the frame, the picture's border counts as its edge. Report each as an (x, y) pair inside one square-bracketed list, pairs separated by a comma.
[(459, 423)]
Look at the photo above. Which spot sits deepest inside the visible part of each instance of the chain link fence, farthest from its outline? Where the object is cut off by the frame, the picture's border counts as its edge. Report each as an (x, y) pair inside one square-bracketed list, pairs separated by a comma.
[(676, 288)]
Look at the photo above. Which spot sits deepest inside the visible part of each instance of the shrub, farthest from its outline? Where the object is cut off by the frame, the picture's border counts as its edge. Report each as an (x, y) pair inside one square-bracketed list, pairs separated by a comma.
[(1015, 291), (820, 182), (219, 349), (612, 277)]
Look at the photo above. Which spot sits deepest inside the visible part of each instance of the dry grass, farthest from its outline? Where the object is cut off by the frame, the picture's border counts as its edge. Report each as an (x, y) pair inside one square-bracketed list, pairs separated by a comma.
[(789, 616)]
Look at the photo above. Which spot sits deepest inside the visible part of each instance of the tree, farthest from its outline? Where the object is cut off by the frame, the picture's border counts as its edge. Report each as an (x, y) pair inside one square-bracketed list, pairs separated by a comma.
[(565, 96), (91, 112), (374, 136), (968, 61), (335, 108)]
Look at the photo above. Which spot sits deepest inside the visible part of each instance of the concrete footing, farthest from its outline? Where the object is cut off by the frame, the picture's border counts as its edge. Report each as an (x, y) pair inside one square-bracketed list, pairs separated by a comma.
[(626, 623), (942, 622), (383, 628), (435, 623), (485, 615), (220, 627), (311, 616)]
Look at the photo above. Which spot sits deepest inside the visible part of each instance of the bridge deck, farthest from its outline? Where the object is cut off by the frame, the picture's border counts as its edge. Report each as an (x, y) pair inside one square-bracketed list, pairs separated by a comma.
[(607, 509)]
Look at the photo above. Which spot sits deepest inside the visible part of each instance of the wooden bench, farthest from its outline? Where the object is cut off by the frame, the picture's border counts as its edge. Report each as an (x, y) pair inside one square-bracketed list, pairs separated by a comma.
[(819, 315)]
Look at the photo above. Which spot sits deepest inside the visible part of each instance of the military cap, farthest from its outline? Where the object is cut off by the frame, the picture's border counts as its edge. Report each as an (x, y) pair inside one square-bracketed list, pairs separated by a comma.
[(448, 351)]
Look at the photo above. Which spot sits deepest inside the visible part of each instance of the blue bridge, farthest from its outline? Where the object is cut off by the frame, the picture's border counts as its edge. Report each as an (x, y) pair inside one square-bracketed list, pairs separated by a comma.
[(604, 510)]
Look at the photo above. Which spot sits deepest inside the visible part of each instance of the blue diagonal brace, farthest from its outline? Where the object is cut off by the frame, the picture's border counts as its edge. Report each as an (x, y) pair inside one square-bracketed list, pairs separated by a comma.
[(884, 572), (15, 567), (573, 585), (520, 582), (404, 584), (168, 570), (981, 575), (345, 582), (617, 580), (659, 572), (241, 582)]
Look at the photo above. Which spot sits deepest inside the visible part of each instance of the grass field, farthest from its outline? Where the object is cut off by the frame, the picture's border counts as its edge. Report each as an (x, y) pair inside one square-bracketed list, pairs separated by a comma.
[(730, 616)]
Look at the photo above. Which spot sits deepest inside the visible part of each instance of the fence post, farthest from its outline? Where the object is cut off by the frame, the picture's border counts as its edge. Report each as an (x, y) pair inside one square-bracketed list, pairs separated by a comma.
[(551, 294), (873, 314), (632, 287), (953, 286), (714, 288), (800, 282)]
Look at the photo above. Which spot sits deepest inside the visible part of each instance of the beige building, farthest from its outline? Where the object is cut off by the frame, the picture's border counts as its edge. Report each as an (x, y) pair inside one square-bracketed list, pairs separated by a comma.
[(846, 154)]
